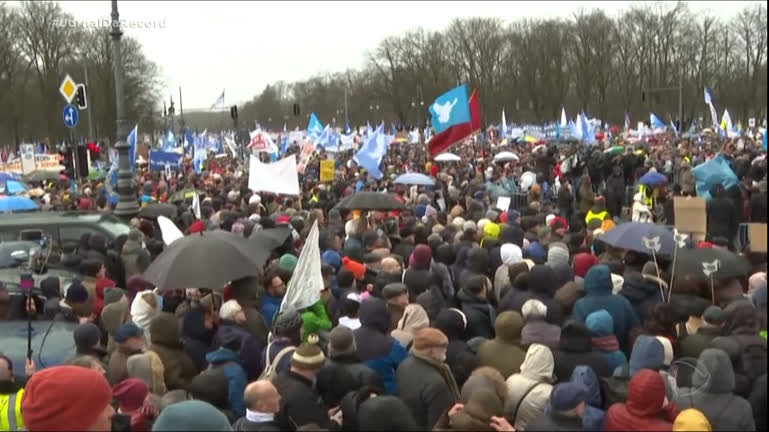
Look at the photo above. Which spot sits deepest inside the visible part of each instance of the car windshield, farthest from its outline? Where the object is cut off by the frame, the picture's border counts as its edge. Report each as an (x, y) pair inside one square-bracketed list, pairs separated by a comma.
[(115, 228)]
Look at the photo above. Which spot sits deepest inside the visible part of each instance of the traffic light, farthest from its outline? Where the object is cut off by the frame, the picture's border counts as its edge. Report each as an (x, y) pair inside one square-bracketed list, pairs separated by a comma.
[(80, 97), (234, 112), (296, 110)]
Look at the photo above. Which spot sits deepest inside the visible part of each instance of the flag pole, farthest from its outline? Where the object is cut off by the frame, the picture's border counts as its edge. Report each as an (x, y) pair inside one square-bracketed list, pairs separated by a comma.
[(181, 111)]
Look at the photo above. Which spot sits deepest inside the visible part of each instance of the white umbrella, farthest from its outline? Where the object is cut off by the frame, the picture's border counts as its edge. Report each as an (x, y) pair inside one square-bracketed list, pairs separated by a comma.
[(527, 179), (505, 156), (447, 157)]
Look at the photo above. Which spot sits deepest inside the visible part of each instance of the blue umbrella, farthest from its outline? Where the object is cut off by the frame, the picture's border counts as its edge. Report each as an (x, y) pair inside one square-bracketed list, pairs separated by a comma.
[(13, 187), (414, 179), (652, 178), (640, 237), (8, 176), (16, 203)]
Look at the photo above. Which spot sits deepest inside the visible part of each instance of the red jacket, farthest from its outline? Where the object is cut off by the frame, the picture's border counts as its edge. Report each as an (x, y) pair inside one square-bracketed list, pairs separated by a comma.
[(643, 409)]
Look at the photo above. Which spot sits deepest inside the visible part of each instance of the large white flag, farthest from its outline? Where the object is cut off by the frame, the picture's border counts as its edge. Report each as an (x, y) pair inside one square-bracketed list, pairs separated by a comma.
[(169, 231), (278, 177), (307, 283)]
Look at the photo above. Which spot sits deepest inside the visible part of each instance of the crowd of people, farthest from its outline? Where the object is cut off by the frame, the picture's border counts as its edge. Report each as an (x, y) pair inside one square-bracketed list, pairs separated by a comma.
[(449, 315)]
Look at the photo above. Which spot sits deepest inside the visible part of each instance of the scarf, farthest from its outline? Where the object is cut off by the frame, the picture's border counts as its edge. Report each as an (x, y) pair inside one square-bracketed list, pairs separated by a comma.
[(605, 343), (259, 417), (445, 372)]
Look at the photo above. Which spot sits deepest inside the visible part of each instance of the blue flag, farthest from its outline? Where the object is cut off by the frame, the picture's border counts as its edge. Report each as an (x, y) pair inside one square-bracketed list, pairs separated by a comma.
[(170, 142), (314, 126), (765, 140), (347, 130), (371, 153), (450, 109), (655, 122), (131, 140), (328, 140)]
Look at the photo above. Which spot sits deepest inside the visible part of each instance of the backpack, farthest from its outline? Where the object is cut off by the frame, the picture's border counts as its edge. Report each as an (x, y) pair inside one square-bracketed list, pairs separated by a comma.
[(614, 388), (270, 367)]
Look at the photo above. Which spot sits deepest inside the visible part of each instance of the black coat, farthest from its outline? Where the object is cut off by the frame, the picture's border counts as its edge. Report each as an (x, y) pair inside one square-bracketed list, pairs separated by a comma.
[(459, 356), (418, 281), (364, 376), (555, 422), (643, 294), (480, 315), (424, 390), (575, 349), (299, 402), (245, 425), (615, 194), (721, 218)]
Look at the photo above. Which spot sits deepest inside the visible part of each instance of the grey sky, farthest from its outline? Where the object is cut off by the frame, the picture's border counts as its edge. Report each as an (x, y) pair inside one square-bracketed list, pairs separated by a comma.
[(205, 47)]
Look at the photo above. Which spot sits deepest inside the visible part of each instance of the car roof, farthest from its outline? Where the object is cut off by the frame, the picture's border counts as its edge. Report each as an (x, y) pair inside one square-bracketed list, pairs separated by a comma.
[(61, 217)]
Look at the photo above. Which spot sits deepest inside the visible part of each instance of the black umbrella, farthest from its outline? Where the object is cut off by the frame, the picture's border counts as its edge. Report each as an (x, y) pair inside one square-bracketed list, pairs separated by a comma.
[(723, 263), (207, 260), (271, 238), (369, 201), (153, 210)]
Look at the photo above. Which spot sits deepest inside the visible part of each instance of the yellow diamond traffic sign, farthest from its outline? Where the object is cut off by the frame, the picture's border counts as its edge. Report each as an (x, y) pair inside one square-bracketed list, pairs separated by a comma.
[(68, 88)]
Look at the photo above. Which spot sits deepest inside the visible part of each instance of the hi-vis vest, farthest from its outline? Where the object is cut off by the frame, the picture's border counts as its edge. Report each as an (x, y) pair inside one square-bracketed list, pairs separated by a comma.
[(10, 411), (647, 200), (600, 216)]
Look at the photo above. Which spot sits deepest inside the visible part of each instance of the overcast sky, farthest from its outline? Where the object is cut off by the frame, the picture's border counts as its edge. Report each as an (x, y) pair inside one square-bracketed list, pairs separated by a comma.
[(205, 47)]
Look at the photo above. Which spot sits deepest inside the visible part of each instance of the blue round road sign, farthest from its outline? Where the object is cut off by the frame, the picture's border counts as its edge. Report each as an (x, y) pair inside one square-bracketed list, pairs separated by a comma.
[(69, 115)]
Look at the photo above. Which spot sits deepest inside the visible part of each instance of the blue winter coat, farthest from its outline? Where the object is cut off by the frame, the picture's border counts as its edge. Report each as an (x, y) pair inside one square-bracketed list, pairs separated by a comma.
[(601, 324), (598, 295), (270, 307), (593, 416), (376, 348), (229, 363)]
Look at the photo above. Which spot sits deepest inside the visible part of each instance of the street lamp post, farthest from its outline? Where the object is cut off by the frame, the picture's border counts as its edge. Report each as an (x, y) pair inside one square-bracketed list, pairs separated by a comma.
[(127, 206)]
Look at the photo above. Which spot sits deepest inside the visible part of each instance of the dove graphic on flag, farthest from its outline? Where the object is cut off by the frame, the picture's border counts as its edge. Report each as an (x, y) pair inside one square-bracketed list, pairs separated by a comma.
[(655, 122), (314, 127), (450, 109)]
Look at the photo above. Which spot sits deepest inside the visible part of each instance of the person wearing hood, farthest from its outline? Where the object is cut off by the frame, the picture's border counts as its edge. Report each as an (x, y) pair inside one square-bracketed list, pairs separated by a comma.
[(461, 360), (378, 413), (164, 337), (564, 410), (51, 289), (646, 409), (88, 341), (540, 287), (535, 328), (640, 212), (376, 348), (134, 257), (593, 415), (574, 349), (286, 336), (648, 353), (413, 319), (691, 420), (474, 303), (528, 392), (512, 256), (425, 382), (604, 342), (476, 415), (418, 277), (227, 360), (741, 325), (144, 307), (198, 334), (504, 352), (598, 295), (712, 393)]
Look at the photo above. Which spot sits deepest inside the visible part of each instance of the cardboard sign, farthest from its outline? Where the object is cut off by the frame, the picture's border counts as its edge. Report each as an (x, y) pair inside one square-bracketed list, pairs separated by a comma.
[(757, 237), (691, 214), (326, 171)]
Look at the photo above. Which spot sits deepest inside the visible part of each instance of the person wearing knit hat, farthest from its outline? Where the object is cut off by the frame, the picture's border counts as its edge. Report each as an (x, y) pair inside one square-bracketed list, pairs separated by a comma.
[(196, 227), (132, 395), (48, 402), (287, 263), (88, 340), (564, 411), (300, 402), (341, 343), (582, 263), (191, 415), (424, 373), (112, 295), (557, 253), (357, 269), (130, 340)]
